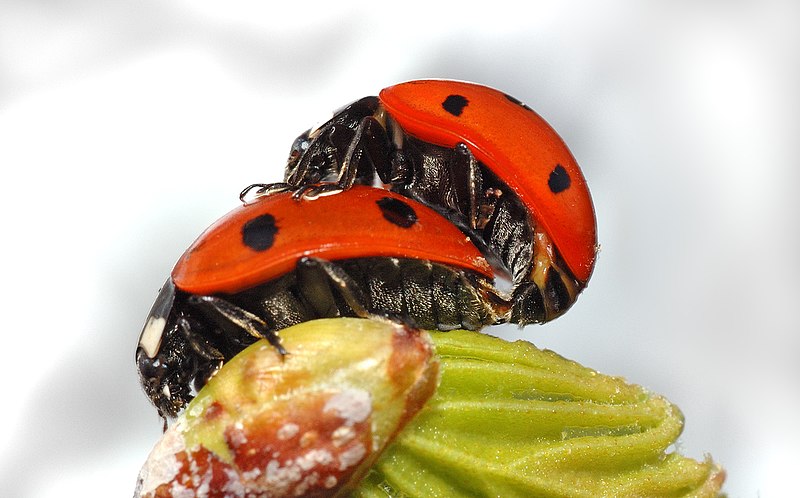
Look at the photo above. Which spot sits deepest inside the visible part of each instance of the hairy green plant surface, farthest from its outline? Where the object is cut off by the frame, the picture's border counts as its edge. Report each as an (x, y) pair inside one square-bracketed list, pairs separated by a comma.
[(512, 420)]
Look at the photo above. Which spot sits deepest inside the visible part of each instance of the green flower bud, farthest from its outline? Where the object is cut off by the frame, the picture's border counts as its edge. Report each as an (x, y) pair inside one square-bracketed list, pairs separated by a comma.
[(354, 410)]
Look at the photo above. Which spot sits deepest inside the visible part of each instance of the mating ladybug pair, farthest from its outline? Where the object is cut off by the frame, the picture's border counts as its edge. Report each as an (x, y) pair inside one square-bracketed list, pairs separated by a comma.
[(475, 184)]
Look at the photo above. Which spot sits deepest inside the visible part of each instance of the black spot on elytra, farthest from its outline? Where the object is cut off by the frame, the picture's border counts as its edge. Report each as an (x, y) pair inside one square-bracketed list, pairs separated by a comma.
[(455, 104), (397, 212), (259, 233), (559, 180)]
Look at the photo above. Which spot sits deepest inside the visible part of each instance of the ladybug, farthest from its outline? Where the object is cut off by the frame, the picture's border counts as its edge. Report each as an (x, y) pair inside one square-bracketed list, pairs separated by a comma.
[(277, 261), (483, 159)]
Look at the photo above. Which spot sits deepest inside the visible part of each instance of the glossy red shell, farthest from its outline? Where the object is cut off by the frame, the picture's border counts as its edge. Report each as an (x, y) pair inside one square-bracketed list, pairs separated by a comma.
[(517, 145), (338, 226)]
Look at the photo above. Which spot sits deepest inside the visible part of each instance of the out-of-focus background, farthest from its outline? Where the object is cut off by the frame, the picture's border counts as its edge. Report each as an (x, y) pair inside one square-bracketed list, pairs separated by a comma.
[(128, 127)]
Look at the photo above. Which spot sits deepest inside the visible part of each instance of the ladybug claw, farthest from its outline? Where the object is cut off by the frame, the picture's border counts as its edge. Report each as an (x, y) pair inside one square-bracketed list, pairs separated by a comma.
[(256, 190), (315, 190)]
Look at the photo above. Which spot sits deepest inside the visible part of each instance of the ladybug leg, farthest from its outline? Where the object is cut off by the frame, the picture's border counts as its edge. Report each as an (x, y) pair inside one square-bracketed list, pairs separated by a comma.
[(310, 191), (314, 190), (297, 167), (327, 273), (201, 348), (401, 172), (369, 144), (315, 278), (528, 305), (210, 361), (306, 150), (366, 155), (464, 161), (317, 155), (548, 289), (242, 318)]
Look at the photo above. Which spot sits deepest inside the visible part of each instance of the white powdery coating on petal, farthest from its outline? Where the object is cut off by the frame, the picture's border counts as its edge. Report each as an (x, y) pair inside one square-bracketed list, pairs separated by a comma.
[(237, 435), (310, 480), (314, 457), (353, 405), (288, 431), (343, 435), (200, 482), (234, 488), (181, 491), (352, 456), (296, 475), (161, 466), (280, 479), (330, 482), (196, 410), (251, 475), (203, 483)]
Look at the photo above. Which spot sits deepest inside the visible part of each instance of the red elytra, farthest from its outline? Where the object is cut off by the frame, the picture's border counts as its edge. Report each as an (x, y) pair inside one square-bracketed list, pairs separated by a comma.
[(220, 261), (516, 144)]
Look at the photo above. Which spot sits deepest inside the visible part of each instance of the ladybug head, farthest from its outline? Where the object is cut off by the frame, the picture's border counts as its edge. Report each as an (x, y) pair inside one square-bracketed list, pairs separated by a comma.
[(170, 365), (318, 154), (299, 147)]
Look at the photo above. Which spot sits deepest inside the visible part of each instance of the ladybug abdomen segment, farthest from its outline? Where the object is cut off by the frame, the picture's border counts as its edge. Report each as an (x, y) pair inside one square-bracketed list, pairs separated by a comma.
[(432, 295)]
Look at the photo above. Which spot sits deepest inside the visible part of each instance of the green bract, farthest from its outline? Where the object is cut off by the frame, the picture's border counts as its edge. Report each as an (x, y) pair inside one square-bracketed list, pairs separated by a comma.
[(511, 420)]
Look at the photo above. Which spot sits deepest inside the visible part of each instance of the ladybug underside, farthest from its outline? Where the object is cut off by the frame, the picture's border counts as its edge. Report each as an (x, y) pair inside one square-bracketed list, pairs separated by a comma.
[(203, 332)]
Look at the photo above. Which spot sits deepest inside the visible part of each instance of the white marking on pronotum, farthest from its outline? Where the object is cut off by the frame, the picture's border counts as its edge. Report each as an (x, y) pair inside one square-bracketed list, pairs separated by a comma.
[(152, 334)]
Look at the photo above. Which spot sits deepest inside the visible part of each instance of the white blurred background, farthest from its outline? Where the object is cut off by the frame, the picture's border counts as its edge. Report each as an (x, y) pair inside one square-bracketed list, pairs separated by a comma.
[(127, 127)]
